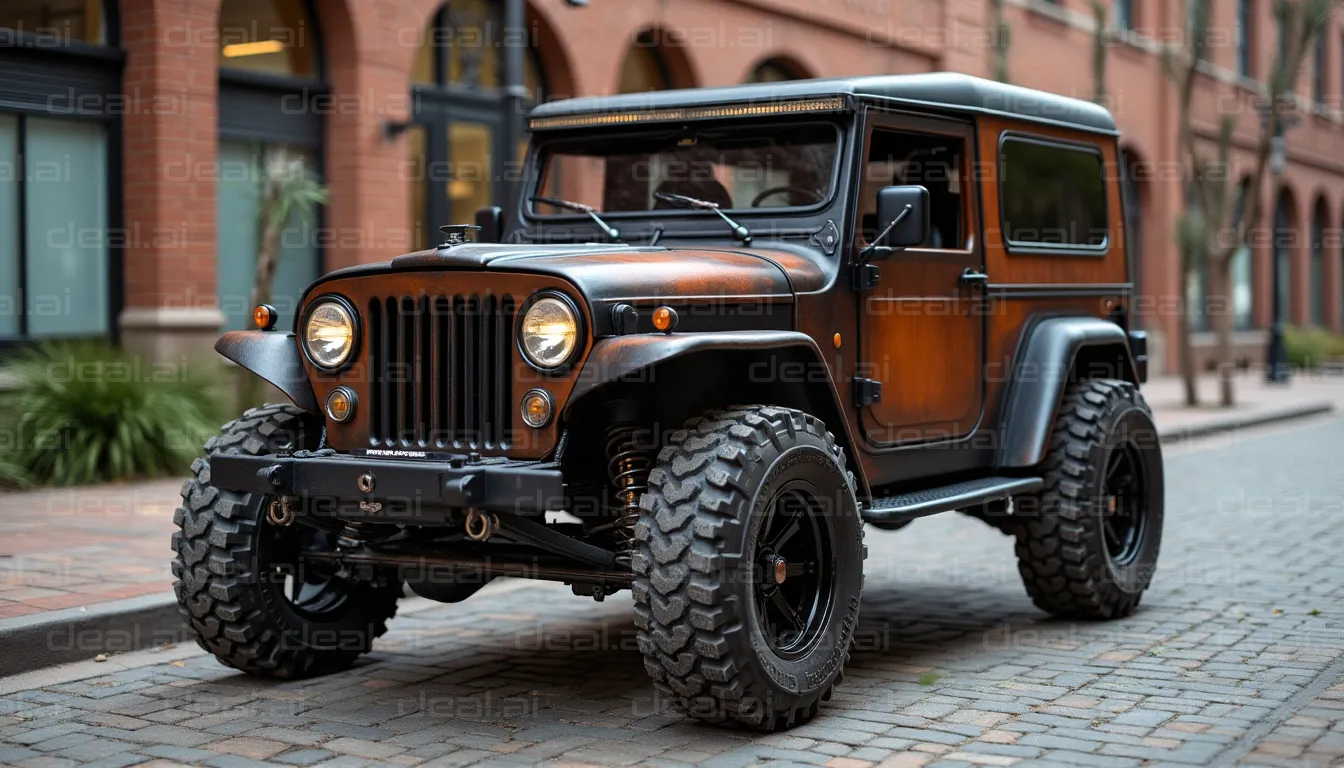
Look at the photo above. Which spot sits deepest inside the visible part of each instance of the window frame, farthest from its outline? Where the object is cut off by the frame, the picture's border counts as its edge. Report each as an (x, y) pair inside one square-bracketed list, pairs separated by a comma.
[(1019, 247), (541, 152), (950, 129)]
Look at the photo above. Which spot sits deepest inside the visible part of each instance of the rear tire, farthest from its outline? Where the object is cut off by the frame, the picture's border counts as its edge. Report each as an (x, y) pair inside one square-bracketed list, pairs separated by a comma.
[(239, 582), (1087, 545), (748, 568)]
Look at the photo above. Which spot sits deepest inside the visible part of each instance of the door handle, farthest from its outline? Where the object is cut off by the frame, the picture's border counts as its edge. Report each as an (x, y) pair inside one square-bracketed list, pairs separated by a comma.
[(973, 277)]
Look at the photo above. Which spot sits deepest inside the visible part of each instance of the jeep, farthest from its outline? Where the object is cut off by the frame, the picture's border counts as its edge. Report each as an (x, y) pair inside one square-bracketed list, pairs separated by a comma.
[(720, 330)]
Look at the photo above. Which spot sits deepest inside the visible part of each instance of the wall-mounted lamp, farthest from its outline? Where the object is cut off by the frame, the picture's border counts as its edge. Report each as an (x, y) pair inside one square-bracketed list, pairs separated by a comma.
[(393, 128)]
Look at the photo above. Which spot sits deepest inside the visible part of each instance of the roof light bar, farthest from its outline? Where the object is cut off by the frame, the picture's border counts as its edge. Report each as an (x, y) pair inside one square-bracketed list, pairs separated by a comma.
[(833, 104)]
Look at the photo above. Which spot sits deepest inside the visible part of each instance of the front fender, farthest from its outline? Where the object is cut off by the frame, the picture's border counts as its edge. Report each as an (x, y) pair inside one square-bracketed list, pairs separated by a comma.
[(275, 358), (615, 358)]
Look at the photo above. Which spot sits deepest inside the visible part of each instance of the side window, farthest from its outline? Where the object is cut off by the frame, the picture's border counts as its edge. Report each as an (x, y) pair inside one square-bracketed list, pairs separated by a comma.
[(1053, 195), (931, 161)]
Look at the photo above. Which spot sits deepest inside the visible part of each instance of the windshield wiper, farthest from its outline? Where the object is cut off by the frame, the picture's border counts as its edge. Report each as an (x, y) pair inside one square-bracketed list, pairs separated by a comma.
[(739, 231), (570, 205)]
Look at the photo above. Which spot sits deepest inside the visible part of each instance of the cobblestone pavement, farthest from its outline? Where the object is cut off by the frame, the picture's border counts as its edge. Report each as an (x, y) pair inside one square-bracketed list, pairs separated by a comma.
[(66, 547), (69, 547), (1236, 655)]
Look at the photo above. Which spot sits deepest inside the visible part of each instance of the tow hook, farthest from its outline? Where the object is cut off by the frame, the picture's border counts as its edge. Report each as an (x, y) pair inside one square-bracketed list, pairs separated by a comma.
[(281, 512), (480, 525)]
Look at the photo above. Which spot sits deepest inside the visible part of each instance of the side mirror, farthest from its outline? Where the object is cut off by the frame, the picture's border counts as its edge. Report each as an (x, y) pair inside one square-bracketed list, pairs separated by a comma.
[(491, 223), (902, 220)]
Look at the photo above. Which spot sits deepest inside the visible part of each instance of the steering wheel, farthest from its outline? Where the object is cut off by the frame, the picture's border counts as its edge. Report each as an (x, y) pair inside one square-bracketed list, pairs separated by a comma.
[(756, 201)]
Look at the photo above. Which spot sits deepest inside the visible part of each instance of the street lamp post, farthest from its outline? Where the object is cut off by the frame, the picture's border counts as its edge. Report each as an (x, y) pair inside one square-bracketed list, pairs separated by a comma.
[(1276, 356)]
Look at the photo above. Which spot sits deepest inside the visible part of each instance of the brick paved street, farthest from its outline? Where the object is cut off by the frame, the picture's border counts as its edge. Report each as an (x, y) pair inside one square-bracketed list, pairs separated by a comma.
[(68, 547), (1237, 654)]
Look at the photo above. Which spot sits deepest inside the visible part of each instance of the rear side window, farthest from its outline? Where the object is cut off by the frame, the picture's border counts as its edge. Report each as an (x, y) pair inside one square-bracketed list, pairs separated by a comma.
[(1053, 195)]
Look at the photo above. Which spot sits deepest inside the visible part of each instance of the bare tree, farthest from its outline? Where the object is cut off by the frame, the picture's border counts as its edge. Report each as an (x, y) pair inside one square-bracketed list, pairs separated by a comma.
[(1002, 40), (1214, 227), (1100, 42), (287, 186)]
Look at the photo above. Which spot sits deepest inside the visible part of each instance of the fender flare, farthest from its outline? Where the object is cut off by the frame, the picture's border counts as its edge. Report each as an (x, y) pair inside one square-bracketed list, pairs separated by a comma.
[(616, 357), (275, 358), (1042, 372)]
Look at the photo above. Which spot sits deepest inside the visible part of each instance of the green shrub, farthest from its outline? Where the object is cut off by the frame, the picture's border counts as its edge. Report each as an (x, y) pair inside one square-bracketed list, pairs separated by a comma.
[(87, 413), (1310, 347)]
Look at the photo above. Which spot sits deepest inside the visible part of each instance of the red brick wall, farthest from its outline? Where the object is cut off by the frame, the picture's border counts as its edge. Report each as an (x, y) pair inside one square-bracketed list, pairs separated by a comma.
[(370, 47)]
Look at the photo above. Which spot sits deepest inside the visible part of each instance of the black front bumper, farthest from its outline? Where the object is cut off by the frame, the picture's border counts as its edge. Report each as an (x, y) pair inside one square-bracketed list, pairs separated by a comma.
[(420, 489)]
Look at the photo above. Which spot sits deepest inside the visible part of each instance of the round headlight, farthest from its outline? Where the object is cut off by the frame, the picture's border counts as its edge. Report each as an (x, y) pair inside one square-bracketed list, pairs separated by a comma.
[(549, 333), (329, 334)]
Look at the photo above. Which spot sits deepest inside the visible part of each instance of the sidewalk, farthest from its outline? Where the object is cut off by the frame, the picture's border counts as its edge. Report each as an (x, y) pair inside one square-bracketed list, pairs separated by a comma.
[(81, 547)]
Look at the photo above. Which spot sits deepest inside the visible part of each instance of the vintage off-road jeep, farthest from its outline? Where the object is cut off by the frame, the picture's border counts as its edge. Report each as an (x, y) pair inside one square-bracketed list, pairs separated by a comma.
[(722, 330)]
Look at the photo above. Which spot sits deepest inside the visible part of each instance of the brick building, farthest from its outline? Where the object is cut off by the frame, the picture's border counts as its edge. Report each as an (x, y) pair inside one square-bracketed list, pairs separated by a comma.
[(132, 132)]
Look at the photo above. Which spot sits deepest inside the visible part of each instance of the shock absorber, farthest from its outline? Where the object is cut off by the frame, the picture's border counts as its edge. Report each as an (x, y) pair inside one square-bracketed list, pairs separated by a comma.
[(628, 464)]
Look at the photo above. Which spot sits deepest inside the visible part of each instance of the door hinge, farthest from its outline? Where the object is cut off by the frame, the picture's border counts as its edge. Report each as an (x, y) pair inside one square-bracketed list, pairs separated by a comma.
[(866, 277), (866, 391)]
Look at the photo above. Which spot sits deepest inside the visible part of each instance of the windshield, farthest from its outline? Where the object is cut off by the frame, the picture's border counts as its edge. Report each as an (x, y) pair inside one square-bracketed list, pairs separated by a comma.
[(772, 166)]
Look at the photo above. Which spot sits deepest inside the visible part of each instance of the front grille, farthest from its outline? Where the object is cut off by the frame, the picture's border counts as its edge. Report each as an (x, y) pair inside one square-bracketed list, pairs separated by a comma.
[(441, 370)]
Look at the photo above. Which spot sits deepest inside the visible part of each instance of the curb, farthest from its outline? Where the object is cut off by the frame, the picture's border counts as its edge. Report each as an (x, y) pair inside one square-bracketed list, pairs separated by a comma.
[(1233, 423), (78, 634)]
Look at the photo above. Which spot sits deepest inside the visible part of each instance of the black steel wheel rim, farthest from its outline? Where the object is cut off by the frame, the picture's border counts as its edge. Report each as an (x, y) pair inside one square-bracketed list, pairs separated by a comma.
[(1124, 500), (793, 587), (313, 589)]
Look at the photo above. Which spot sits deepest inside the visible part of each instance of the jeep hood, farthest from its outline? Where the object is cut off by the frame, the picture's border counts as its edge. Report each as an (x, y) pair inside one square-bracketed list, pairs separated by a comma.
[(604, 272)]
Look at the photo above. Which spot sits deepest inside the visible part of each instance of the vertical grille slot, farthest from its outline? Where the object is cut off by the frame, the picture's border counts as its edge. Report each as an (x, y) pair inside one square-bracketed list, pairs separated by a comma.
[(441, 369)]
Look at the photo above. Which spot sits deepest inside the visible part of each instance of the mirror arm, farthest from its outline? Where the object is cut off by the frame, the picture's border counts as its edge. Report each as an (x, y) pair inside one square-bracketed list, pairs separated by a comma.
[(872, 250)]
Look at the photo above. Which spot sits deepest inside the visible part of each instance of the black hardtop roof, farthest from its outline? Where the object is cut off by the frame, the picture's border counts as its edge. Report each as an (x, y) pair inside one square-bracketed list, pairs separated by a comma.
[(947, 91)]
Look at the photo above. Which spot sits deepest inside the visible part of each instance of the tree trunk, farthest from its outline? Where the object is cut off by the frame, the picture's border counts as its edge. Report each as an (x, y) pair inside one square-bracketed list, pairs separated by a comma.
[(1223, 319)]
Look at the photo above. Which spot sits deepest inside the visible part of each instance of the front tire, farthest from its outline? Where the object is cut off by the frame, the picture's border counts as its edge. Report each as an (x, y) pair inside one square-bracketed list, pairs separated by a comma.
[(241, 585), (1087, 545), (748, 569)]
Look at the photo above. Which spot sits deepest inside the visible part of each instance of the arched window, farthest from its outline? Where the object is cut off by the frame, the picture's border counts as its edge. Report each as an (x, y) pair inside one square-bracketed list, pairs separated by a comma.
[(645, 68), (58, 218), (1243, 290), (271, 36), (1130, 187), (269, 61), (461, 122), (77, 21), (1319, 217), (774, 71)]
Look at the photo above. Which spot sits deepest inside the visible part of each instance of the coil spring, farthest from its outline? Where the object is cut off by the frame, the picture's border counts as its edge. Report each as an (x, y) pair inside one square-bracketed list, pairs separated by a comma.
[(628, 467)]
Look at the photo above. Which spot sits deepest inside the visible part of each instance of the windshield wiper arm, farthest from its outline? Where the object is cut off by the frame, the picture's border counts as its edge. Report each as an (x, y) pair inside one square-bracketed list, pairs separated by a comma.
[(739, 231), (570, 205)]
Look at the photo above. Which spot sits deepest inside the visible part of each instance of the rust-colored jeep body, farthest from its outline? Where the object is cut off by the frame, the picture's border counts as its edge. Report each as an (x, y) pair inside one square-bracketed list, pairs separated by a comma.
[(721, 329)]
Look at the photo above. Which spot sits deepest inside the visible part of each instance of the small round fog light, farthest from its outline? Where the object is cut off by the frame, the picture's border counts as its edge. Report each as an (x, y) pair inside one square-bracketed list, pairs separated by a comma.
[(341, 404), (536, 408)]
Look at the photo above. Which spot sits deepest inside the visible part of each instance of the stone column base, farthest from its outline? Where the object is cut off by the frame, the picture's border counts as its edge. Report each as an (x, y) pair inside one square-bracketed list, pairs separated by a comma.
[(168, 335)]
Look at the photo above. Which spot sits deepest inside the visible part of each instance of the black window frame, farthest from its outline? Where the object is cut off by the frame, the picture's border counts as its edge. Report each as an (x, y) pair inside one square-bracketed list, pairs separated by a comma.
[(36, 79), (1063, 249)]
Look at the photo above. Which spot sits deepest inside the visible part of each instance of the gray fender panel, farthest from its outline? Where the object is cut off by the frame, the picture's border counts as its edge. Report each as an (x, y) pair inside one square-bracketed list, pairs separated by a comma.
[(274, 357), (1040, 376)]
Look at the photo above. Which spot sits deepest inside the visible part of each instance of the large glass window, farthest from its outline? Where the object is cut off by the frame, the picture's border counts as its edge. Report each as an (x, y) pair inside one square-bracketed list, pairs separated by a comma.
[(1245, 28), (271, 36), (458, 158), (757, 167), (53, 227), (80, 21), (1285, 236), (244, 169), (644, 68), (1053, 195)]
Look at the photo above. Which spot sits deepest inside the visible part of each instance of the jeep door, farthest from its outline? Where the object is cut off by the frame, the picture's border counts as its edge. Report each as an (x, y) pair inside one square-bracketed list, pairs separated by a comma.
[(921, 327)]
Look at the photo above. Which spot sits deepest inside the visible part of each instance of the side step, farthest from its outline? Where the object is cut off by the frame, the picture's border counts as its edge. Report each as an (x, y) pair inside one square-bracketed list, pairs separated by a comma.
[(964, 495)]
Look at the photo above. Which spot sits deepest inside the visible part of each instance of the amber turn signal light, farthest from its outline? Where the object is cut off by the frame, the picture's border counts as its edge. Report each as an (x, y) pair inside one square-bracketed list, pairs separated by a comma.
[(536, 408), (665, 319), (265, 316), (341, 404)]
